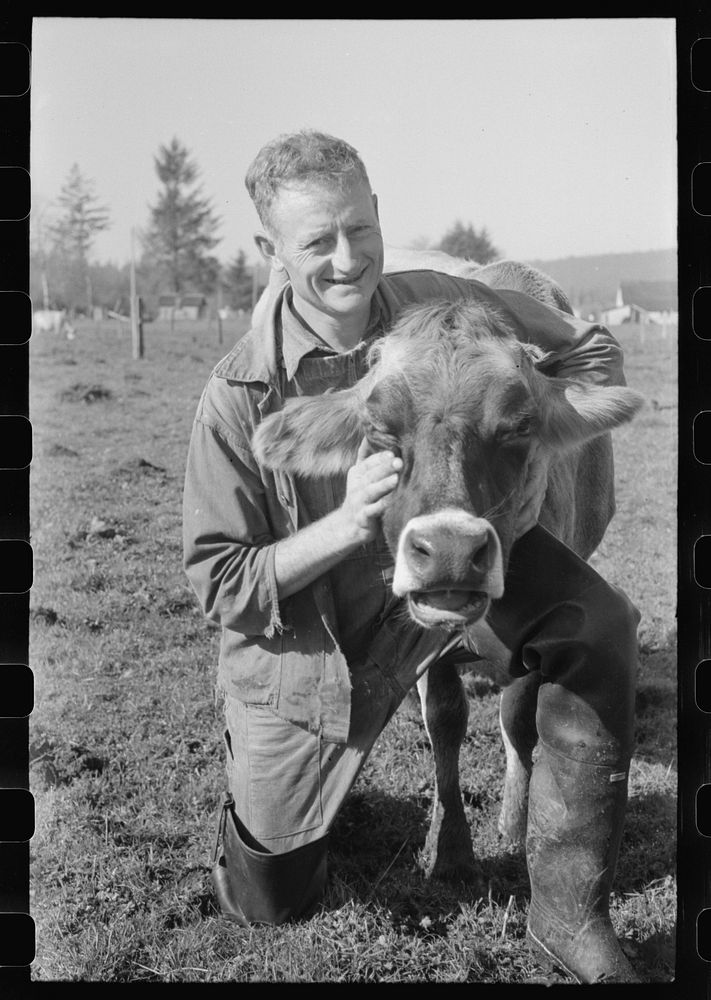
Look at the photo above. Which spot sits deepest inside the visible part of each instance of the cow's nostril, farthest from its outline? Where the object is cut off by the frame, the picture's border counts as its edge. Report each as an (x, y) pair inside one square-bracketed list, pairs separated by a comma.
[(419, 548), (480, 558)]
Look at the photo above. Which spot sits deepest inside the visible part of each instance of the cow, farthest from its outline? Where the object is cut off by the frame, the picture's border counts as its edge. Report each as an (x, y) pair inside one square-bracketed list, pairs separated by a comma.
[(52, 321), (450, 388)]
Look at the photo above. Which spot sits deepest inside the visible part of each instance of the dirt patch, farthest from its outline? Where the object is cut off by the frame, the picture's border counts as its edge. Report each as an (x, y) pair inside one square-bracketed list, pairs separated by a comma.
[(174, 606), (61, 451), (82, 393), (47, 616), (136, 468), (57, 764)]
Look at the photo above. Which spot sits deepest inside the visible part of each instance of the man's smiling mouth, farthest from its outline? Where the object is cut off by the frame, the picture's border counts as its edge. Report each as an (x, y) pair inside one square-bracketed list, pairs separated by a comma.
[(347, 281)]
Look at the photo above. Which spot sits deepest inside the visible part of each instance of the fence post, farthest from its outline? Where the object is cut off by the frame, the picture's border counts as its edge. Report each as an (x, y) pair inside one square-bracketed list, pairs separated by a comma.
[(136, 317), (137, 327)]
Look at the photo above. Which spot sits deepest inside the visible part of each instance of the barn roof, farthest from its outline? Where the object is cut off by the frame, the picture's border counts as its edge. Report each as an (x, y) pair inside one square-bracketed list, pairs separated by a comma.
[(168, 300), (654, 296)]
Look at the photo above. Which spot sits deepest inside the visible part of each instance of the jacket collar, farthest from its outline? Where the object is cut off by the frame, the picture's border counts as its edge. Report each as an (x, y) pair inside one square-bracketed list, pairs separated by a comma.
[(254, 358)]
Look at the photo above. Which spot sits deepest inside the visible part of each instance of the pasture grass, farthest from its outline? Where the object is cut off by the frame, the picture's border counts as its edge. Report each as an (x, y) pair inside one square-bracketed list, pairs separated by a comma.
[(126, 743)]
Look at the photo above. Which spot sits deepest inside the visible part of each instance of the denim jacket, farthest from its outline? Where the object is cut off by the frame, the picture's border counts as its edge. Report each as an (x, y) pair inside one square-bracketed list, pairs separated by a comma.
[(286, 654)]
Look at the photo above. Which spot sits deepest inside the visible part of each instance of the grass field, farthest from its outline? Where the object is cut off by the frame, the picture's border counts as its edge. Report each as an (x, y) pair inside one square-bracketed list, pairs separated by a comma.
[(126, 745)]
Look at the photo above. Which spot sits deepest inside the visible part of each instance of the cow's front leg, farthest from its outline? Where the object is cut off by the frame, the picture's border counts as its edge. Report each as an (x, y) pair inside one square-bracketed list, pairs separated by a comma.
[(517, 715), (445, 710), (517, 719)]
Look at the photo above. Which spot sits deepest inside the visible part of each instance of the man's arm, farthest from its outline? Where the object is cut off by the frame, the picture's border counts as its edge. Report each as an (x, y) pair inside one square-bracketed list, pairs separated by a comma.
[(237, 568), (312, 551)]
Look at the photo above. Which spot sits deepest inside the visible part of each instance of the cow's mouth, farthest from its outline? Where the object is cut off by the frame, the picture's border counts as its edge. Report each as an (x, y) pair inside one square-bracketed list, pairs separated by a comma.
[(448, 608)]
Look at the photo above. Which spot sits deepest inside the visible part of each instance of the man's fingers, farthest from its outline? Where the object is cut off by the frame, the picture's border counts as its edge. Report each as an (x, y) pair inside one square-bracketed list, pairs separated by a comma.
[(370, 483), (377, 508), (369, 458), (380, 463), (373, 491)]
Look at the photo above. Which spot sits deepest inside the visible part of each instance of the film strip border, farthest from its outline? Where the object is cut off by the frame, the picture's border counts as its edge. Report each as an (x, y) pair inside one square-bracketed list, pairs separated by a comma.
[(17, 929), (694, 496)]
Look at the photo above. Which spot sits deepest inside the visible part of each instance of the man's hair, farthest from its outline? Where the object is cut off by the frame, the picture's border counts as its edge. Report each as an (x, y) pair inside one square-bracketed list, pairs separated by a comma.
[(307, 155)]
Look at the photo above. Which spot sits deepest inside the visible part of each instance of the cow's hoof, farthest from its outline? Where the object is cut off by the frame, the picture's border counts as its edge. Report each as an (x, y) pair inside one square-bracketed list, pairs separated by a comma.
[(460, 872)]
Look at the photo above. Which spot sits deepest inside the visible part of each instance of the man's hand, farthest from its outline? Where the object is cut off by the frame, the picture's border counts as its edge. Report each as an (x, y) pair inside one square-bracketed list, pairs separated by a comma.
[(317, 547), (534, 491), (369, 483)]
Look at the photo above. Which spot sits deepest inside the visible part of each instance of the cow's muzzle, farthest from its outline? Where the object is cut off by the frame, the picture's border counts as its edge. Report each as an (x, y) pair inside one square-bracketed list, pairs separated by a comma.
[(449, 567)]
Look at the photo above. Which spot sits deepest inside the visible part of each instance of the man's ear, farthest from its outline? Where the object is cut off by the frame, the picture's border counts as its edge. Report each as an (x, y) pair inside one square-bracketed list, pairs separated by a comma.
[(375, 206), (267, 248)]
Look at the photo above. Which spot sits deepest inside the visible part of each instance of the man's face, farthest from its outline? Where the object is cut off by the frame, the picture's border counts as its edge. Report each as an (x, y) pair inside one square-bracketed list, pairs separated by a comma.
[(328, 241)]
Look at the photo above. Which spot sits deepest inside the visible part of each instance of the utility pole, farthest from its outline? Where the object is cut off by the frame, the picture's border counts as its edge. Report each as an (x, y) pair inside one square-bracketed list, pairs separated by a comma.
[(136, 319)]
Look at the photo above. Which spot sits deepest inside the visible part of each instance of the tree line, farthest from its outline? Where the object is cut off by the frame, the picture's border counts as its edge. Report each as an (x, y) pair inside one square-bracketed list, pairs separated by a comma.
[(173, 254)]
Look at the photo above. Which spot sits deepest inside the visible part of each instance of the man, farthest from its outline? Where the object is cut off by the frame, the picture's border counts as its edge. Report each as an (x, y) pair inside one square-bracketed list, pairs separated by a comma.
[(297, 574)]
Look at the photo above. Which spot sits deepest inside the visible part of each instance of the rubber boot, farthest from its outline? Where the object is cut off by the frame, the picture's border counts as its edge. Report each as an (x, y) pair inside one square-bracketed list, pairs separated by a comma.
[(575, 818), (256, 887)]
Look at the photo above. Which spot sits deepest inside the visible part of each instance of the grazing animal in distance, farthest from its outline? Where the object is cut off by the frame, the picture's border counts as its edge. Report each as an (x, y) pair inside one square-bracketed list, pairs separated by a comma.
[(52, 321)]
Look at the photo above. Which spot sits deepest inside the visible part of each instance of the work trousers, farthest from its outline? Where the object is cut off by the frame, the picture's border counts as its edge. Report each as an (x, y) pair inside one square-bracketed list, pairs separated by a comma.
[(557, 616)]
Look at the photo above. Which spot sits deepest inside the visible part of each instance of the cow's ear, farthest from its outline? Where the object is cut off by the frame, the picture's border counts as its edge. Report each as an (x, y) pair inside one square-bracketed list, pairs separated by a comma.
[(575, 412), (313, 435)]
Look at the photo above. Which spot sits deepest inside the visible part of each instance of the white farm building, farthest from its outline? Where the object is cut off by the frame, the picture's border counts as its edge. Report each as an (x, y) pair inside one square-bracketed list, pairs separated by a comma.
[(644, 302)]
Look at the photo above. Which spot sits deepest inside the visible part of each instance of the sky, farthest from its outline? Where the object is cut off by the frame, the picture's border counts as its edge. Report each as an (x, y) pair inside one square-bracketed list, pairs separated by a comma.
[(557, 135)]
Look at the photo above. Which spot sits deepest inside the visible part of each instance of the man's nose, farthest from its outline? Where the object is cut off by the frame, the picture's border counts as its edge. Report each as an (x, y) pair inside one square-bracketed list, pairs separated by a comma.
[(344, 259)]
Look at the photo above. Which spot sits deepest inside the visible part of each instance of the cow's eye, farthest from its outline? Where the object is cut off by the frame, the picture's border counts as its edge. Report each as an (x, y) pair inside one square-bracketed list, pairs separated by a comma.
[(515, 431)]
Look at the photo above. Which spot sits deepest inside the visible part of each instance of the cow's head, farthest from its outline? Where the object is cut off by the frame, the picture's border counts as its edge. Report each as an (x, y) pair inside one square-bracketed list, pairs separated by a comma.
[(455, 395)]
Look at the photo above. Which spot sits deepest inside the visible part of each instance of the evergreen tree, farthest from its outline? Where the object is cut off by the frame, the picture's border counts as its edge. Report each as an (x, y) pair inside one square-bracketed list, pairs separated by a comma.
[(465, 241), (238, 280), (182, 227), (73, 233)]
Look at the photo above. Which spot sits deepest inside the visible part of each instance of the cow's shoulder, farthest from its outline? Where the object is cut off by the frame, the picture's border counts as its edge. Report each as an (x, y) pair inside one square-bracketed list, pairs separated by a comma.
[(403, 288)]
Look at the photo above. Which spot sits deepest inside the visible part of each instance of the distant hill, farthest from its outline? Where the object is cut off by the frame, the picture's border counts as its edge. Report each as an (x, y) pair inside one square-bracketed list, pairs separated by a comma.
[(591, 283)]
